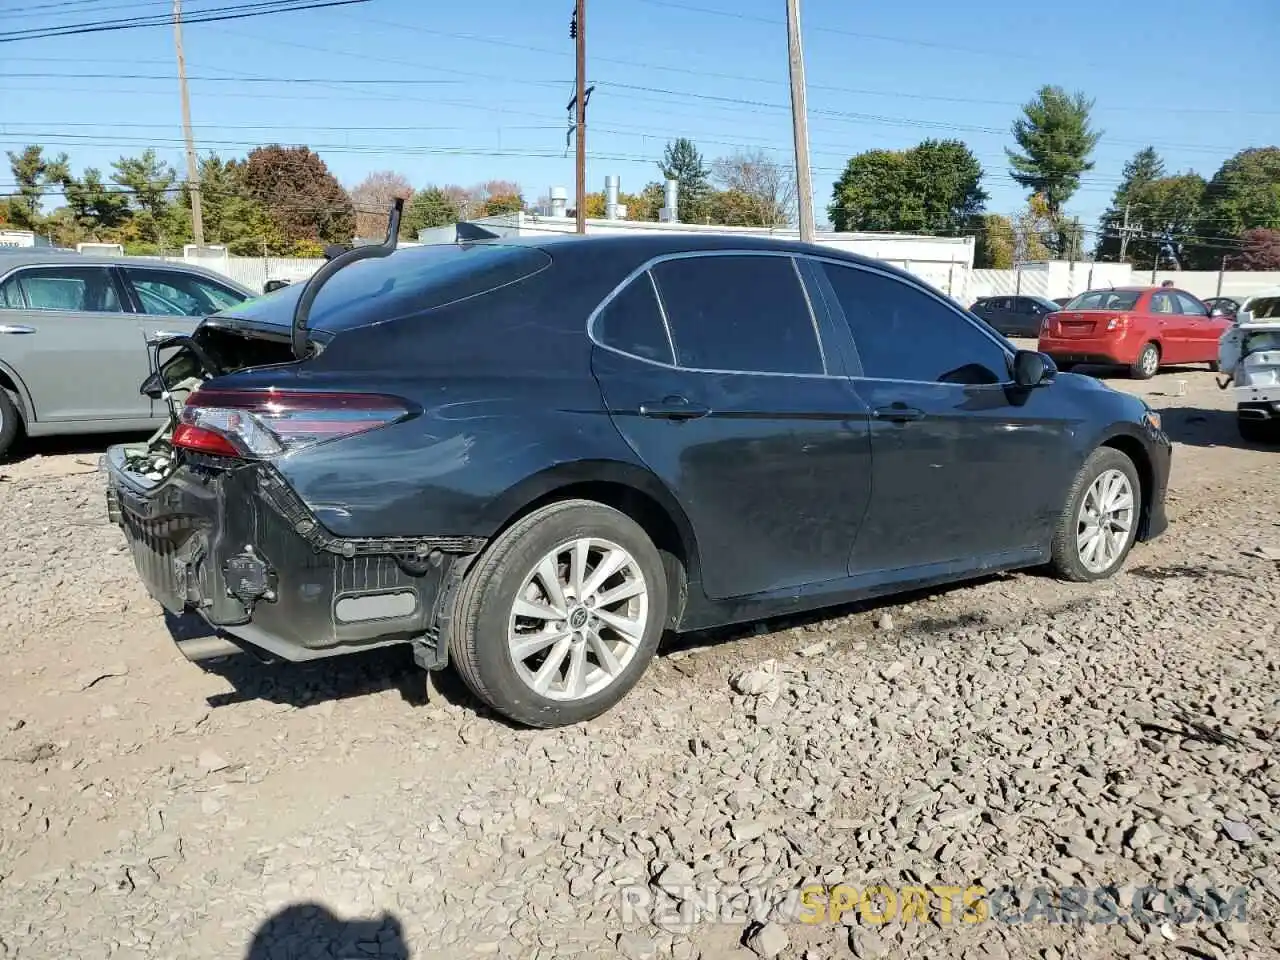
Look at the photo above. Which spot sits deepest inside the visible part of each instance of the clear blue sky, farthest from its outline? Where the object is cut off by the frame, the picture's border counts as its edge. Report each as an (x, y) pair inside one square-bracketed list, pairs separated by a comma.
[(1194, 78)]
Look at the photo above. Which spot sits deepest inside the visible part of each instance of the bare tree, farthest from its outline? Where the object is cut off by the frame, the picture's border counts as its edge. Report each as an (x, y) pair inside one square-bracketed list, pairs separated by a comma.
[(372, 198), (765, 188)]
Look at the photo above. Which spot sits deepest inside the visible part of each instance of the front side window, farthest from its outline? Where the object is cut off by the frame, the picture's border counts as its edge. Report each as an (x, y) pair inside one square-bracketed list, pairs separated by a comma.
[(902, 333), (632, 323), (81, 289), (739, 313), (171, 292), (1190, 306)]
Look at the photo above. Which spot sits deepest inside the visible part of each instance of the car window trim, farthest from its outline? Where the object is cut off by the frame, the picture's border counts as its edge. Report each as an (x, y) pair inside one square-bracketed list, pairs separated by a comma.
[(688, 255), (862, 374), (121, 294)]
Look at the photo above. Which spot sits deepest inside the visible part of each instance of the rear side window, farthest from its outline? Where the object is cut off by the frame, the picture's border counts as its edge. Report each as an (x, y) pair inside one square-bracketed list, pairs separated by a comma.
[(81, 289), (739, 313), (408, 282), (632, 323), (902, 333)]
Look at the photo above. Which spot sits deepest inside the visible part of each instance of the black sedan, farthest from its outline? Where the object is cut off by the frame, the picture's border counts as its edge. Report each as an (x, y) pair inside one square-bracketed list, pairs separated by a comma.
[(1015, 316), (531, 459)]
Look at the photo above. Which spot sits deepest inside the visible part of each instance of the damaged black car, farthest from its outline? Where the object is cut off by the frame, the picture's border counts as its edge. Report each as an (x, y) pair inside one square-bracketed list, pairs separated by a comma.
[(528, 460)]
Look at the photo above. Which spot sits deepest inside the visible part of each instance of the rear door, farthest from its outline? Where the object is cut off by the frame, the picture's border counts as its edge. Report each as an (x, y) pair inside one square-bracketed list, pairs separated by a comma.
[(174, 302), (966, 466), (1167, 325), (66, 332), (718, 374)]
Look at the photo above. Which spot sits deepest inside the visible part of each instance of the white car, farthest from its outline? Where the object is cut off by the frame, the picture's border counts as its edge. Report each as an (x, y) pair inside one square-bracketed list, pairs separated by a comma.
[(1249, 353)]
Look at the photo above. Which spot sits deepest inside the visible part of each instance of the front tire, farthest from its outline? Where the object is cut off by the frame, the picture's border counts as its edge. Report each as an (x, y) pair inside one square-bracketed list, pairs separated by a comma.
[(1148, 362), (10, 423), (1100, 520), (558, 619)]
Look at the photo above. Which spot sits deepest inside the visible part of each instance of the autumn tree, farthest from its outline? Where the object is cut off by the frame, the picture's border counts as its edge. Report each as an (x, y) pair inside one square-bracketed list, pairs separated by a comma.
[(1056, 143), (303, 199), (935, 187), (682, 162), (645, 204), (1035, 230), (1243, 195), (1260, 251), (763, 191), (995, 243), (372, 198)]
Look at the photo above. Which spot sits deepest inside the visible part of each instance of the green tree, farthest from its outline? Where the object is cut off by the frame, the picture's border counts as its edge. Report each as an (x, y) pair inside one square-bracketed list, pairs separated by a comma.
[(1169, 206), (995, 243), (34, 174), (231, 217), (1143, 168), (682, 162), (1243, 195), (1056, 142), (304, 200), (429, 207), (935, 187), (94, 205)]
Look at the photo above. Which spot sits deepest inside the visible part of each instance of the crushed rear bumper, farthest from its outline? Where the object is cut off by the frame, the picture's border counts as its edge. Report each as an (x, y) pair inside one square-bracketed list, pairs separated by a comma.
[(234, 544)]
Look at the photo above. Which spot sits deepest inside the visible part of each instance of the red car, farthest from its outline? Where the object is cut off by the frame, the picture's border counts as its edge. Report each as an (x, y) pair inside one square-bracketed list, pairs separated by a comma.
[(1142, 328)]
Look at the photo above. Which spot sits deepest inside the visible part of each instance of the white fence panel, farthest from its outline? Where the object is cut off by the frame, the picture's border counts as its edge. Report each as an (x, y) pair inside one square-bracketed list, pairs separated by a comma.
[(1204, 283)]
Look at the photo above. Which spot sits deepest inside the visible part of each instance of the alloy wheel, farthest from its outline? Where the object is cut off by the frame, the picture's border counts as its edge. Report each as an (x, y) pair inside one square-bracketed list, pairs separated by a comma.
[(1105, 520), (578, 619), (1150, 361)]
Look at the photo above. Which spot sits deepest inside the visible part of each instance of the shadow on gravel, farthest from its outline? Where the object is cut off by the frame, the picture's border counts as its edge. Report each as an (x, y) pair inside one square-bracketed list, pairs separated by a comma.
[(1181, 571), (1198, 427), (311, 930), (88, 445), (1104, 372)]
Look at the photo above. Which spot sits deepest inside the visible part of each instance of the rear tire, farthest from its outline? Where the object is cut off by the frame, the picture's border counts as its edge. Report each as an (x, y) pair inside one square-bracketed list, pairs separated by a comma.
[(10, 423), (1148, 362), (1106, 495), (503, 645)]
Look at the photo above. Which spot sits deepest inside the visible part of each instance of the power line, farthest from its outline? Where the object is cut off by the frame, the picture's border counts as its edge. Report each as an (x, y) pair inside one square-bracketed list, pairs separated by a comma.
[(214, 15)]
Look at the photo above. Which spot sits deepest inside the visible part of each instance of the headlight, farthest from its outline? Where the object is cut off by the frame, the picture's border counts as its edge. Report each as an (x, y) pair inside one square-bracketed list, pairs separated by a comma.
[(1151, 419)]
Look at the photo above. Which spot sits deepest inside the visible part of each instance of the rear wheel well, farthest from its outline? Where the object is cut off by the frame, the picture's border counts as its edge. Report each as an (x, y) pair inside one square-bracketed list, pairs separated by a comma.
[(1133, 449), (677, 556), (7, 384)]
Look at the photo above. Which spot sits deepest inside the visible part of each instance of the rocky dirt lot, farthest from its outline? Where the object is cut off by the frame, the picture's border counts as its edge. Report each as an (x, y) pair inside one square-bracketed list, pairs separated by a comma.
[(1017, 731)]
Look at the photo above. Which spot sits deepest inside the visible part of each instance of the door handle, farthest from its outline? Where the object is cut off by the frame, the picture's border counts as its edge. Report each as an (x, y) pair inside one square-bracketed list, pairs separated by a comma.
[(673, 408), (16, 328), (898, 413)]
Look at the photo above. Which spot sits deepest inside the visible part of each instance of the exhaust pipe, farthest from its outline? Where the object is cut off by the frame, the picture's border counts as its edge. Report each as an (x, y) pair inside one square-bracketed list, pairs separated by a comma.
[(199, 649)]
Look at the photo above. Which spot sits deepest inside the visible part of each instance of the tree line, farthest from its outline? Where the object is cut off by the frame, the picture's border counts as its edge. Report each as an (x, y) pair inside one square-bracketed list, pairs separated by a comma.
[(284, 201), (1154, 218)]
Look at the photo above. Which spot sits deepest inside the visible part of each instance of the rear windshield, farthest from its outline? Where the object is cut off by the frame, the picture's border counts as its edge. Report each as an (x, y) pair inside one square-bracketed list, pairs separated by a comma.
[(1105, 300), (409, 281)]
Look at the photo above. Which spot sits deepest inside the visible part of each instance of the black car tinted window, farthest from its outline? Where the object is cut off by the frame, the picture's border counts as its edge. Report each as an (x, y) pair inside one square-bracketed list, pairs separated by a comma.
[(408, 282), (745, 313), (633, 323), (903, 333)]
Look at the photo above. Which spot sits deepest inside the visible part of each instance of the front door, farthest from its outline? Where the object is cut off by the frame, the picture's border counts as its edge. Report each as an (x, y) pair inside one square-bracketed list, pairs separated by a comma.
[(1200, 332), (965, 465), (726, 390), (65, 331)]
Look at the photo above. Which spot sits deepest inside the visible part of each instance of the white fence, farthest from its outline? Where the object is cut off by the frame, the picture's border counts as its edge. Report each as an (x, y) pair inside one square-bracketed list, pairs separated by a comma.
[(1054, 278)]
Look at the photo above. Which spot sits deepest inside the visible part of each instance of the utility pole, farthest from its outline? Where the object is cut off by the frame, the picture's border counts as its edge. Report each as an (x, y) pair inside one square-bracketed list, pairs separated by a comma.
[(193, 169), (1124, 233), (800, 122), (580, 34)]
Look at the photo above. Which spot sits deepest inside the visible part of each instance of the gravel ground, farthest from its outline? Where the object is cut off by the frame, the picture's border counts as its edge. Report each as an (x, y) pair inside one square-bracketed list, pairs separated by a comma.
[(1017, 731)]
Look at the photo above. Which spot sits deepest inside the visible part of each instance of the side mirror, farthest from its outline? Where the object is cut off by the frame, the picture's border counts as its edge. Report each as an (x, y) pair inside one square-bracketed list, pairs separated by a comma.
[(1032, 368)]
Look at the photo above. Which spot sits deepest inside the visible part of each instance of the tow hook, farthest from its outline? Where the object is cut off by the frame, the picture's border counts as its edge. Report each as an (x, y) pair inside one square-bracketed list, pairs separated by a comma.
[(249, 578)]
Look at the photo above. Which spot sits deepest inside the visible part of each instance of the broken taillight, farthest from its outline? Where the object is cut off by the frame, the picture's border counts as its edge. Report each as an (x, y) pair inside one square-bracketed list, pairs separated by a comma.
[(256, 424)]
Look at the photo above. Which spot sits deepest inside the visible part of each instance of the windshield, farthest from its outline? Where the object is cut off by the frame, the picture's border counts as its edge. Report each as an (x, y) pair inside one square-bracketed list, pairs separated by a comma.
[(1047, 304), (409, 281), (1105, 300)]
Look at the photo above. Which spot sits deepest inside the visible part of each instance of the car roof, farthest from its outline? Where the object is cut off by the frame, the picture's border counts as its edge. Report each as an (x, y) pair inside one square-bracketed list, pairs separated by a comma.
[(56, 256)]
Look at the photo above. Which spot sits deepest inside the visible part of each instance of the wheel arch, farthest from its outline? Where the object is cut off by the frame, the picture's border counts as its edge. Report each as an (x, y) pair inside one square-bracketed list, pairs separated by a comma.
[(1133, 448), (626, 487), (13, 385)]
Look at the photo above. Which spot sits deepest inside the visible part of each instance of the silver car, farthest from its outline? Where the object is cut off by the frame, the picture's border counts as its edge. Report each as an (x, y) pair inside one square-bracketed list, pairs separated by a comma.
[(73, 332)]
